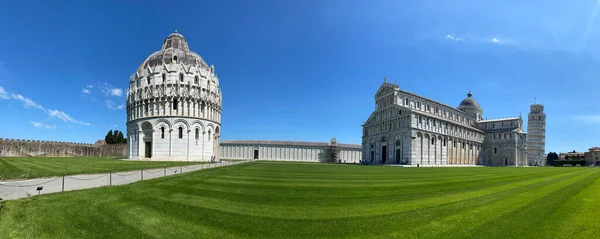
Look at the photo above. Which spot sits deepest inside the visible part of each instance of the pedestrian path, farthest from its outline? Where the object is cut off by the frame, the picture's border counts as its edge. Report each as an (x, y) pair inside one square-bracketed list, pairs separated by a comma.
[(10, 190)]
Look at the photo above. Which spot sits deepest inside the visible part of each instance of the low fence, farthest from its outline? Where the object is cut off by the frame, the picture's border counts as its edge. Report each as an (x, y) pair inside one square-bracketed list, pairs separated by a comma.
[(24, 188)]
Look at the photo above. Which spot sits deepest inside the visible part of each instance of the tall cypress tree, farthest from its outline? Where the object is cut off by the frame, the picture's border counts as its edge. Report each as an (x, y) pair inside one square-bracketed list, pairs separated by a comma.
[(121, 140), (109, 137)]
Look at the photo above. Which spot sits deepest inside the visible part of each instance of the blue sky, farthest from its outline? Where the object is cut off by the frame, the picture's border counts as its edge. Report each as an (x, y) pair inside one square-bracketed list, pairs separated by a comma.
[(303, 70)]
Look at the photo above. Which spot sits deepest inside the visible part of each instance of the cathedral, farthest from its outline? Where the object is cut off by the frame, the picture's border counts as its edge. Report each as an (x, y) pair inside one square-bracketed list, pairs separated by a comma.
[(410, 129), (174, 106)]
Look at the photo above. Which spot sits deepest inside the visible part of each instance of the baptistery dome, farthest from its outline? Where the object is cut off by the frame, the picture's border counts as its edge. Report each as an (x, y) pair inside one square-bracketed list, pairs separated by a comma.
[(174, 106)]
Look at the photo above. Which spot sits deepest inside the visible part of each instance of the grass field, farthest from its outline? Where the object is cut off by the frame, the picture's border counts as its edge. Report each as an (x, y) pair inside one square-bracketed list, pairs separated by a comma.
[(294, 200), (35, 167)]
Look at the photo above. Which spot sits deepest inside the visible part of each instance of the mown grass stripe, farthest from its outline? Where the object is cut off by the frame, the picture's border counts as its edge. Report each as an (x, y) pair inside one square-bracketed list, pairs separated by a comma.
[(475, 216), (424, 203)]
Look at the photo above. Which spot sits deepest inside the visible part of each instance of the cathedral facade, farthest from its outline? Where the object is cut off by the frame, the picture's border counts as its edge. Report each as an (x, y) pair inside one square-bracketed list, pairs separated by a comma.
[(410, 129), (174, 106)]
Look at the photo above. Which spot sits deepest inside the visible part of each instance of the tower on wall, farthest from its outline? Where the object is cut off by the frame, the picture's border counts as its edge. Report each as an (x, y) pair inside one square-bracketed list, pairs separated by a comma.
[(536, 138)]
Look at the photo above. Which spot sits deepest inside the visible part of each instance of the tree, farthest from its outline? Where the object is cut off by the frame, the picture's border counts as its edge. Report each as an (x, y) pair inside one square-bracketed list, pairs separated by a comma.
[(120, 139), (109, 137), (551, 157), (115, 137)]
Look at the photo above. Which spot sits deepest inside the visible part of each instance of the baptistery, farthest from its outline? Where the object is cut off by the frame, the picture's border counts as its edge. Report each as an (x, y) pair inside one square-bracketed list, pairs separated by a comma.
[(174, 106)]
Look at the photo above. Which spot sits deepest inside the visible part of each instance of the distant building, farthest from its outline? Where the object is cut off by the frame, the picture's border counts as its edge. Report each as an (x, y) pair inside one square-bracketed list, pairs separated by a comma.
[(407, 128), (290, 151), (100, 142), (572, 156), (593, 156)]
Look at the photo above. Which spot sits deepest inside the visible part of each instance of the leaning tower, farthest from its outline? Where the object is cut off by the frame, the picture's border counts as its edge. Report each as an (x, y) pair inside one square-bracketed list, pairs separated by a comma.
[(536, 135)]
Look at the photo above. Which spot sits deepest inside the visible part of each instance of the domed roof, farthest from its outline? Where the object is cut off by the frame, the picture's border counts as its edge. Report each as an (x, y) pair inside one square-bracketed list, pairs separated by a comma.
[(174, 49), (469, 104)]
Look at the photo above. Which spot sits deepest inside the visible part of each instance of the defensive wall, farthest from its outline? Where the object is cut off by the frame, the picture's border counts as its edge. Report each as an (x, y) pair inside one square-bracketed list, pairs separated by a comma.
[(42, 148)]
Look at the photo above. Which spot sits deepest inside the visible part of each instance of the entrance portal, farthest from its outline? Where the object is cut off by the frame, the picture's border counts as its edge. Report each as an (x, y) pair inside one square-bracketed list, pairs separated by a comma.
[(148, 149), (372, 155), (256, 154), (397, 156), (383, 154)]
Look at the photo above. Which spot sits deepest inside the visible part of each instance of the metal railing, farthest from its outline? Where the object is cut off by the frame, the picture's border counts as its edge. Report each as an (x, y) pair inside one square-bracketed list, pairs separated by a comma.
[(16, 189)]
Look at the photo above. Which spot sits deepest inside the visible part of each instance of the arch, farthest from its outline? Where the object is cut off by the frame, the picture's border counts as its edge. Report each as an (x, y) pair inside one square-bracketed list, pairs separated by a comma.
[(217, 130), (197, 124), (164, 78), (163, 121), (146, 125), (196, 80), (180, 77), (210, 127), (182, 121)]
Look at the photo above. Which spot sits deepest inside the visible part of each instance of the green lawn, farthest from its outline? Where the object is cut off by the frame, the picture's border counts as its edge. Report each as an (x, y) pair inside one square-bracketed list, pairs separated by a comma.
[(295, 200), (35, 167)]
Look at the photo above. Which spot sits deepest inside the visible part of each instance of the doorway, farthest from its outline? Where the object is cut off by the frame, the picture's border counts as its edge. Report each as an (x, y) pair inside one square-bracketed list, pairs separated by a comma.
[(256, 154), (372, 155), (148, 149), (383, 154), (398, 156)]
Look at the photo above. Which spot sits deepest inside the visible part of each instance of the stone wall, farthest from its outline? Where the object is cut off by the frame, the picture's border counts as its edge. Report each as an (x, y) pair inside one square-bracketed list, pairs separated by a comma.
[(288, 151), (40, 148)]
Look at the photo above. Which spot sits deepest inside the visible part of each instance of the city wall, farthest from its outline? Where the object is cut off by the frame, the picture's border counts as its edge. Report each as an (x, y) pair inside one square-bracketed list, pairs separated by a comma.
[(41, 148)]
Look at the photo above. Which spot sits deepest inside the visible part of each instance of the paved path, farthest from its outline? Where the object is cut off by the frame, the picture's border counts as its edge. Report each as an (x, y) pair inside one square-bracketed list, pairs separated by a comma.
[(10, 190)]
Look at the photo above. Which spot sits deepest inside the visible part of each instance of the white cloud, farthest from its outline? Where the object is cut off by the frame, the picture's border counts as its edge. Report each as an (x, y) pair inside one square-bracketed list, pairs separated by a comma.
[(108, 90), (89, 86), (63, 116), (41, 125), (595, 119), (116, 92), (86, 91), (3, 94), (451, 37), (114, 106), (28, 103), (479, 39)]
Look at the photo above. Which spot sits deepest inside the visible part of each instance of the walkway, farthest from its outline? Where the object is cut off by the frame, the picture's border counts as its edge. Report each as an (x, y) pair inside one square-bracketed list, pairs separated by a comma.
[(10, 190)]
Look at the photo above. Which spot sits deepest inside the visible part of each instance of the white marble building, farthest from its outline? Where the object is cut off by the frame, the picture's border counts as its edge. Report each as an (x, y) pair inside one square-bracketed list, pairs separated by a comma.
[(406, 128), (174, 106), (288, 151), (536, 139)]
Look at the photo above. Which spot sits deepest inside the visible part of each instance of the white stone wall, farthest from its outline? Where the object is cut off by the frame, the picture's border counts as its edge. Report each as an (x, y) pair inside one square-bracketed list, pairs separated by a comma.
[(171, 147), (286, 152)]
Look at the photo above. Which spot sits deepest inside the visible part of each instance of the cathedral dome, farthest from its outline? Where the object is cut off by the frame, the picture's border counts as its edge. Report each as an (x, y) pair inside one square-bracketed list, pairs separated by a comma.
[(470, 105), (175, 49)]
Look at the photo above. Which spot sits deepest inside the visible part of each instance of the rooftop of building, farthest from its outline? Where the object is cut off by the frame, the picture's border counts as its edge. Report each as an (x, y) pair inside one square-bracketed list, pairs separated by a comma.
[(499, 119), (288, 143)]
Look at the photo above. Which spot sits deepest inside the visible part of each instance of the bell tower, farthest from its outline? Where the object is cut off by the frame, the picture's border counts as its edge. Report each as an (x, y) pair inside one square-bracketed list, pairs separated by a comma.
[(536, 135)]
